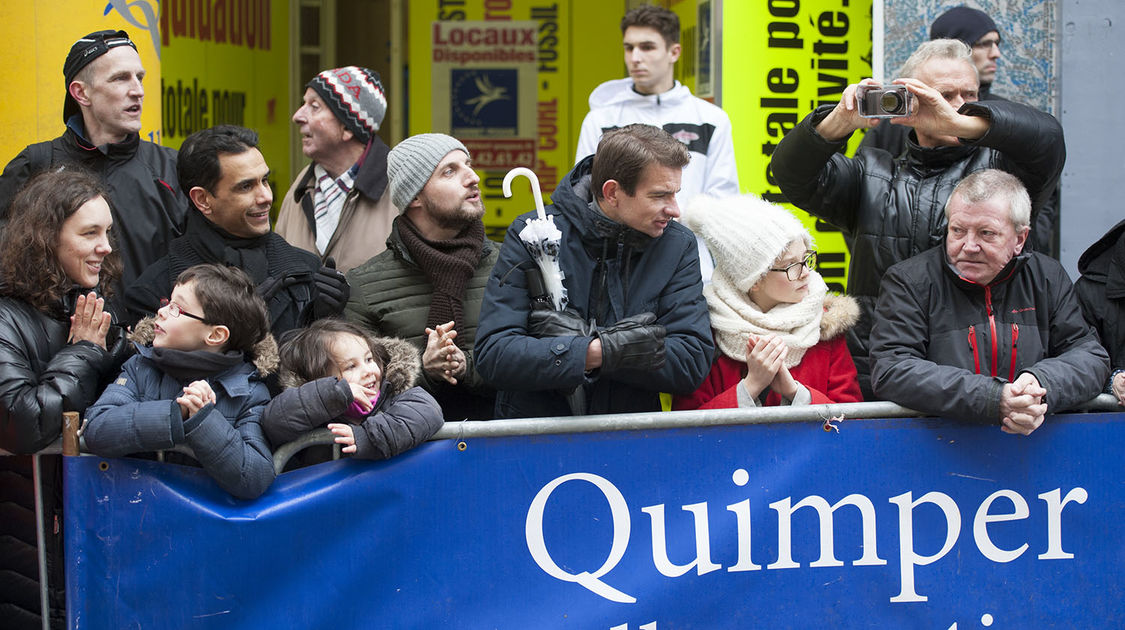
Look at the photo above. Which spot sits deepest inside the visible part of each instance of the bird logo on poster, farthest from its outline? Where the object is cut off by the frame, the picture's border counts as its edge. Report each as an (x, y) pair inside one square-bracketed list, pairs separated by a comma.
[(488, 94)]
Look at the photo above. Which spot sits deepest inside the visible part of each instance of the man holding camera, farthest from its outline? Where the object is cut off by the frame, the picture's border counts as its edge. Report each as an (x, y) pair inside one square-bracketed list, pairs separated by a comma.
[(891, 207)]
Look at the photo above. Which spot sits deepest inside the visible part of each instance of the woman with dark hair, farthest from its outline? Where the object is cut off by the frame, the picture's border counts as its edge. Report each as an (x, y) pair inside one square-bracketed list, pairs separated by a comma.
[(55, 255), (57, 341)]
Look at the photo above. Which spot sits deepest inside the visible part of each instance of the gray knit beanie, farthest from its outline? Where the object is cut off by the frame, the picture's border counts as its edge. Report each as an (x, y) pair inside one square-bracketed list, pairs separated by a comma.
[(412, 162), (356, 96), (745, 234)]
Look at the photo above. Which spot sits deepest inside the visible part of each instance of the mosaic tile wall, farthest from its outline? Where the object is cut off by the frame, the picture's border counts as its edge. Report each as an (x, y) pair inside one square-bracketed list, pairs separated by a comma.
[(1026, 71)]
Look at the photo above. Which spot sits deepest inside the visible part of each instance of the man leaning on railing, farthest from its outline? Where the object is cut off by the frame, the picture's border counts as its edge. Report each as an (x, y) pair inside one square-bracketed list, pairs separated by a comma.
[(979, 329)]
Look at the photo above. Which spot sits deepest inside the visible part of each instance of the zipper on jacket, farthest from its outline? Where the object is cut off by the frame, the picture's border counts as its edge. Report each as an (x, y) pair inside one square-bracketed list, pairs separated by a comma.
[(992, 327), (973, 345), (1015, 338)]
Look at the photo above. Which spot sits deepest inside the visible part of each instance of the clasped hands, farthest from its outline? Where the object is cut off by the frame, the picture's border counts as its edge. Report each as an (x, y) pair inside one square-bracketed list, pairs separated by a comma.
[(765, 367), (1021, 405), (442, 358), (195, 396)]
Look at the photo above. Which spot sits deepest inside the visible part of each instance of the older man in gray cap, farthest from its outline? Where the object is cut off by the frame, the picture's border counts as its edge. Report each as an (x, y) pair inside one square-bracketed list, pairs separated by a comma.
[(102, 113), (338, 207), (428, 285)]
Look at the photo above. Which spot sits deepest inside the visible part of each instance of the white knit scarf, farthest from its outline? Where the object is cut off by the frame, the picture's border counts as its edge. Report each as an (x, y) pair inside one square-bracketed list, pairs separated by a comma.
[(735, 317)]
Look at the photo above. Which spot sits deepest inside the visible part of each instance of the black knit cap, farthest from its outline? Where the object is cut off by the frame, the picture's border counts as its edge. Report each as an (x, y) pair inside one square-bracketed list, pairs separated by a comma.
[(83, 53), (963, 23)]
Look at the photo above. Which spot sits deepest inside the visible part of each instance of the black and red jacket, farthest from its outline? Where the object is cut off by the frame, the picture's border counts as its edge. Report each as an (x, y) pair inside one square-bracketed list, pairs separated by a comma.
[(946, 346)]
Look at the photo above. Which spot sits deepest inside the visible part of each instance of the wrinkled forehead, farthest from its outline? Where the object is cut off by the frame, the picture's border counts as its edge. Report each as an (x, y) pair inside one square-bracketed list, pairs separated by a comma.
[(948, 73), (993, 212), (311, 96), (116, 60)]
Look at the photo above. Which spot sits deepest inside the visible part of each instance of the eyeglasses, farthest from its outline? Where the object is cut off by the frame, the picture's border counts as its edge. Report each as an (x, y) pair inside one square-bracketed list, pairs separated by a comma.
[(175, 311), (987, 44), (793, 271)]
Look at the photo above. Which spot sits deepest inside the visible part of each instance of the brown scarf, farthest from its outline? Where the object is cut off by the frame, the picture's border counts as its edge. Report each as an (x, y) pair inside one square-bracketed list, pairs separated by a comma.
[(448, 265)]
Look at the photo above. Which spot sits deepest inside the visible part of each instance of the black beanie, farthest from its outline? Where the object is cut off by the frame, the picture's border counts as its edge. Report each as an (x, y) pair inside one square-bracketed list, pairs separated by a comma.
[(82, 54), (963, 23)]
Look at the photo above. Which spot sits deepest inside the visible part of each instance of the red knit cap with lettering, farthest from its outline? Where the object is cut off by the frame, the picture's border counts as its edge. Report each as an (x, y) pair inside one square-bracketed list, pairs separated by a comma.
[(356, 96)]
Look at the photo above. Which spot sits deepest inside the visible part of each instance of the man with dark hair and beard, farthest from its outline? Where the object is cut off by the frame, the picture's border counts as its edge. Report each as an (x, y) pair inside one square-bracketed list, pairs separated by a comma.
[(428, 285)]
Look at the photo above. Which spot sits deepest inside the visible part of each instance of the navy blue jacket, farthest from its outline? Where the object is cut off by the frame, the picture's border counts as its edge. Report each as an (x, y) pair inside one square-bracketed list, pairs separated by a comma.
[(138, 413), (611, 272)]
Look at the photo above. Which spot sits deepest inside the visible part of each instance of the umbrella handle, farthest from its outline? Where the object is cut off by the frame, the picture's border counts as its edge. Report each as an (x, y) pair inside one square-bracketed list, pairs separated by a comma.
[(530, 174)]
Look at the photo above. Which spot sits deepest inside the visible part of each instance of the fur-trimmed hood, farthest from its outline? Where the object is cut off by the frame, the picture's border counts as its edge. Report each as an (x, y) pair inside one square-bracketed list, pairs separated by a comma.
[(265, 351), (841, 312), (399, 374)]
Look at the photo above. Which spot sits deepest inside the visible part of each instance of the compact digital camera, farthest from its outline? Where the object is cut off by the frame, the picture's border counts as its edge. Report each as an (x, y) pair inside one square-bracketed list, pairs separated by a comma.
[(893, 101)]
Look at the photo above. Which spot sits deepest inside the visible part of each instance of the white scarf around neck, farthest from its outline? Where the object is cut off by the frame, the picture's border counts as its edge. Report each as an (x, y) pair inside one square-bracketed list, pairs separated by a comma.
[(734, 317)]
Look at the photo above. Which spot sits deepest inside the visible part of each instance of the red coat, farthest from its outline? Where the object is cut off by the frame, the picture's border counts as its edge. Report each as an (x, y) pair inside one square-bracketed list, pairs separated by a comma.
[(826, 370)]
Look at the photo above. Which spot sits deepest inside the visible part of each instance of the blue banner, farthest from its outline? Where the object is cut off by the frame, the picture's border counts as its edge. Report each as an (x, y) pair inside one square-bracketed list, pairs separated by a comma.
[(885, 524)]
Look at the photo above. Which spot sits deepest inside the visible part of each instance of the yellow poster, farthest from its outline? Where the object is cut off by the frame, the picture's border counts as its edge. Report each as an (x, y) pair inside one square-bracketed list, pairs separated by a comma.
[(780, 60), (226, 62), (37, 38), (510, 78)]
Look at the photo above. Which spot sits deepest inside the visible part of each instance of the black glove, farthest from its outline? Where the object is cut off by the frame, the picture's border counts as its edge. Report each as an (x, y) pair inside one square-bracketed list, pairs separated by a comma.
[(332, 291), (551, 323), (634, 343), (271, 285)]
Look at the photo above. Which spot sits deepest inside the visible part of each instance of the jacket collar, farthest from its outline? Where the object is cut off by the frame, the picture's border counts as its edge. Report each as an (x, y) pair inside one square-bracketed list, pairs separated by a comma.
[(370, 179), (234, 380), (1115, 283), (574, 197), (123, 150), (930, 158), (620, 92), (1104, 261), (1006, 274)]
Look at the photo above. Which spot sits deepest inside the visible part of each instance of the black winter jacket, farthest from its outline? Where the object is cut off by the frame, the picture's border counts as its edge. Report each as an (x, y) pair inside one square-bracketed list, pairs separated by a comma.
[(148, 208), (41, 375), (1101, 291), (404, 417), (611, 272), (893, 139), (946, 346), (290, 271), (893, 208)]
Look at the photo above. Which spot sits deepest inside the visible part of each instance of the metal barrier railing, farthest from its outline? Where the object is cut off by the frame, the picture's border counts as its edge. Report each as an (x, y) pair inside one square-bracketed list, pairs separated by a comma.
[(655, 420), (71, 441), (588, 424)]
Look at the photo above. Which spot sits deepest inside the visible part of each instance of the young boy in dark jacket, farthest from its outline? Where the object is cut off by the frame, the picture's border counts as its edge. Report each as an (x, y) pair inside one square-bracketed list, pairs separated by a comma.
[(195, 383), (360, 387)]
